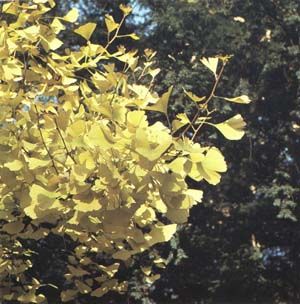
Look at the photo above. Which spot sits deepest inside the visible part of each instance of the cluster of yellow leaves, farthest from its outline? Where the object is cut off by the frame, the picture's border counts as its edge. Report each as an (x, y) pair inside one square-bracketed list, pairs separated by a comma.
[(87, 161)]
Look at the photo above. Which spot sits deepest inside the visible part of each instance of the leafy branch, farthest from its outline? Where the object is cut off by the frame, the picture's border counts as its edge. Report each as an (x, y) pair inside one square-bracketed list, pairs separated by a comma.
[(203, 106)]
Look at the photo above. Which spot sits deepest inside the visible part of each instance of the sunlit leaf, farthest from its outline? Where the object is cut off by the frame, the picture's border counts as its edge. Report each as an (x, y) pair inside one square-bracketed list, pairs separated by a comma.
[(125, 9), (57, 26), (134, 36), (152, 279), (162, 104), (194, 97), (86, 30), (15, 165), (72, 15), (232, 128), (239, 19), (212, 164), (161, 233), (110, 23), (211, 63), (243, 99)]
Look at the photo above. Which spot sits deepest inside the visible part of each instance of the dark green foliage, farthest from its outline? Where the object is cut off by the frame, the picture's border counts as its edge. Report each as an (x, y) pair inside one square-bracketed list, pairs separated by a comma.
[(259, 197)]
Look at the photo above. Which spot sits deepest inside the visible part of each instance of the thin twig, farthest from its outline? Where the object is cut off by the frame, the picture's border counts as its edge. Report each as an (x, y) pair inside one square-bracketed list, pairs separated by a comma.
[(109, 42), (201, 107), (43, 140), (64, 143)]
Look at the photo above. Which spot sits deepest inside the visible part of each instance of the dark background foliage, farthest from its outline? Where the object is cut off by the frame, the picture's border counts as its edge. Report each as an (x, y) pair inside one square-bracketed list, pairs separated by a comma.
[(242, 244)]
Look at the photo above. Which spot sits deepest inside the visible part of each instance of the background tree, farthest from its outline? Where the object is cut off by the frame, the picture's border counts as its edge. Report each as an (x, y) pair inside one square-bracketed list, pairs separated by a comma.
[(245, 233)]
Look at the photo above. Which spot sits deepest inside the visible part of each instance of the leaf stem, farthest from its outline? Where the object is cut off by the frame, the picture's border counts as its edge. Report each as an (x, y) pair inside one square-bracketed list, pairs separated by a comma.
[(64, 143), (43, 140), (204, 105)]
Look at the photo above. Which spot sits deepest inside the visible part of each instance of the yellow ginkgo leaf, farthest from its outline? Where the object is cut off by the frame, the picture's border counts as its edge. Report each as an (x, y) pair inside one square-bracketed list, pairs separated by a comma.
[(72, 15), (40, 1), (68, 295), (13, 227), (194, 97), (123, 255), (51, 43), (144, 215), (146, 270), (211, 165), (77, 128), (243, 99), (87, 206), (15, 165), (82, 287), (152, 279), (125, 9), (35, 163), (68, 80), (86, 30), (162, 104), (144, 96), (195, 194), (211, 63), (110, 270), (183, 118), (105, 287), (29, 297), (57, 26), (214, 160), (42, 197), (77, 272), (133, 36), (110, 23), (178, 216), (30, 32), (97, 138), (232, 128), (10, 8), (180, 122), (151, 151), (177, 165), (161, 233)]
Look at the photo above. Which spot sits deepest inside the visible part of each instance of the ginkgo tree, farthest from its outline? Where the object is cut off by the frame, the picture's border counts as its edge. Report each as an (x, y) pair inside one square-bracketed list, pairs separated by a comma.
[(87, 165)]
